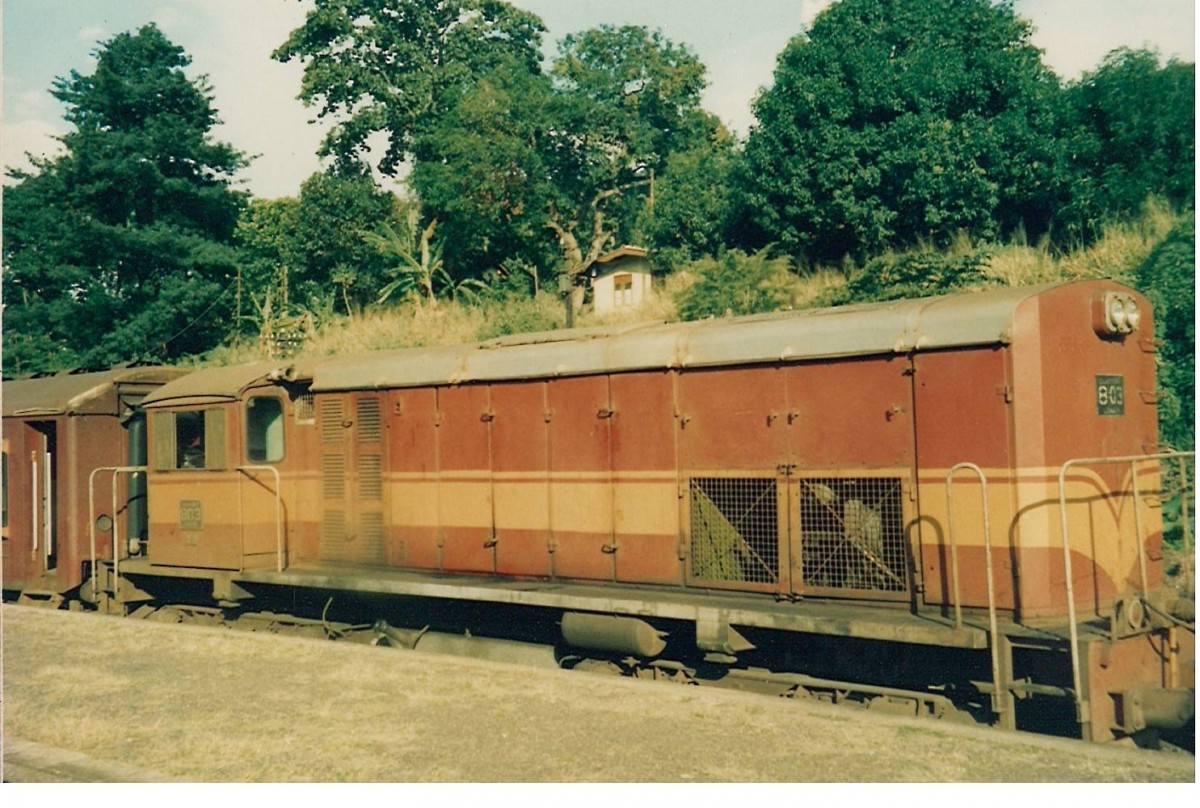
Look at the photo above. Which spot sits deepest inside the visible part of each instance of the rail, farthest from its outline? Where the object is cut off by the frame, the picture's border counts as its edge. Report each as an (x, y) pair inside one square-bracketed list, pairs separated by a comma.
[(115, 522), (998, 699), (278, 512), (1081, 703)]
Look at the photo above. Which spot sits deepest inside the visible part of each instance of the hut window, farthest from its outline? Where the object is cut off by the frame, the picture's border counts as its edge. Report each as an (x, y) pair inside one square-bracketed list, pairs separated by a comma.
[(264, 429), (623, 290)]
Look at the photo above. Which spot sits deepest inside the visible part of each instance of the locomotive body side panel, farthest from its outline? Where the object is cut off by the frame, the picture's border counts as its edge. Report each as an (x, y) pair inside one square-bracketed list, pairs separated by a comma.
[(520, 473), (963, 408), (581, 477), (413, 459), (646, 509), (464, 496)]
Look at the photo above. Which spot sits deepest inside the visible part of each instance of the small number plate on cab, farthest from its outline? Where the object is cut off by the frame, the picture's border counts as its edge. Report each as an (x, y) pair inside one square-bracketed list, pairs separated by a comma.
[(1110, 395)]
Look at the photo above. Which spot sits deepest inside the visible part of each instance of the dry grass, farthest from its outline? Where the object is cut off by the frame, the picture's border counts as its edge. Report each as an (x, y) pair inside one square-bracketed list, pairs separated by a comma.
[(1123, 246), (218, 705)]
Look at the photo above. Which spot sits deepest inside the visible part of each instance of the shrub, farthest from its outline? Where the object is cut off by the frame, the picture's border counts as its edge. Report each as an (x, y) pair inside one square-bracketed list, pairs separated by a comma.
[(736, 283), (922, 273), (1168, 279)]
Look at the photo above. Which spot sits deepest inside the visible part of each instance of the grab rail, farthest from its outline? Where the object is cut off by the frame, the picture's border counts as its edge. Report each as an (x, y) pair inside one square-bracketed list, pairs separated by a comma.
[(278, 512), (997, 696), (116, 531), (1081, 704)]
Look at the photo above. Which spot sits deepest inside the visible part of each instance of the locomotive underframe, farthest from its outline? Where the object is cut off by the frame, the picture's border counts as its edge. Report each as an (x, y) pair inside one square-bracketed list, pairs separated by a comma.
[(918, 662)]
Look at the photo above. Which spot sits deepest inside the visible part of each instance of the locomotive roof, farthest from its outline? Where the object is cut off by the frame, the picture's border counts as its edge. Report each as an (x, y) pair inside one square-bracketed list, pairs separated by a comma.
[(224, 384), (901, 326), (72, 392)]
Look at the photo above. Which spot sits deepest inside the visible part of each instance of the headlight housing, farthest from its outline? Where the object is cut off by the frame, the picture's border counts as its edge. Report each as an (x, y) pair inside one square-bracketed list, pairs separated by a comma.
[(1116, 314)]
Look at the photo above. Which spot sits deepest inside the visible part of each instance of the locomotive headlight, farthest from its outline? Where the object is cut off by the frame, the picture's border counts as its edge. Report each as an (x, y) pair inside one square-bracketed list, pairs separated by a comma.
[(1120, 314), (1133, 314)]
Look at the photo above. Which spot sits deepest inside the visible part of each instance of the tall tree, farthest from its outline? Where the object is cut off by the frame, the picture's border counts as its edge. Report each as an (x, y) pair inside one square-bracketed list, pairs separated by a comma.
[(892, 122), (392, 67), (121, 247), (508, 159)]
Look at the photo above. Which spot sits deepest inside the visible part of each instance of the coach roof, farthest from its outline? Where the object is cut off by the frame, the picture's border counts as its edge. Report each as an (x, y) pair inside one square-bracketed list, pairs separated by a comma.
[(902, 326), (79, 392)]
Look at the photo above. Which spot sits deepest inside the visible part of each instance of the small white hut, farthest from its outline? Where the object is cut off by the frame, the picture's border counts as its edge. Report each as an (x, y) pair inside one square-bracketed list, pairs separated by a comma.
[(621, 279)]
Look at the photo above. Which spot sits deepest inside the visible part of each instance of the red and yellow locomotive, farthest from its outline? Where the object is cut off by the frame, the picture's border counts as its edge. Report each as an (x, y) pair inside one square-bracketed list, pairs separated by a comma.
[(929, 496)]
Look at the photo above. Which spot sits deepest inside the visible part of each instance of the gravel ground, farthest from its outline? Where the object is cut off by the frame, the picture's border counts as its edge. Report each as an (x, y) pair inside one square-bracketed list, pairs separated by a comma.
[(94, 698)]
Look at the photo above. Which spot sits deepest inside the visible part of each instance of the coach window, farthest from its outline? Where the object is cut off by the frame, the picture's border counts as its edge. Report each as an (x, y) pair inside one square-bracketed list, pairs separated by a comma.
[(191, 439), (264, 429), (4, 472)]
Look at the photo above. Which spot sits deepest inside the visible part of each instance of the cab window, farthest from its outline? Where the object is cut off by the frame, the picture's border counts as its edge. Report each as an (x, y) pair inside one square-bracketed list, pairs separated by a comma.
[(264, 429)]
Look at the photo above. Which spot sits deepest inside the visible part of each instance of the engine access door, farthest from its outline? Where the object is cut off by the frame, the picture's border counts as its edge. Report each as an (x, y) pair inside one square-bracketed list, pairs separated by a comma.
[(353, 493)]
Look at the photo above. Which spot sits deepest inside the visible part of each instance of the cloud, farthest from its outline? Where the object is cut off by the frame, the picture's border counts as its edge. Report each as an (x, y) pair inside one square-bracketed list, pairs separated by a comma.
[(33, 136), (93, 34)]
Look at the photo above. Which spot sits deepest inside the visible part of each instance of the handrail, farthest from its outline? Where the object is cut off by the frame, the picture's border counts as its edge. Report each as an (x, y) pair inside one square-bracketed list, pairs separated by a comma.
[(92, 518), (278, 511), (1080, 703), (987, 554)]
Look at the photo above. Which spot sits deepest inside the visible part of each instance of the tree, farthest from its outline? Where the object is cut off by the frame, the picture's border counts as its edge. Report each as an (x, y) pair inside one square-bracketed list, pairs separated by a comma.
[(628, 100), (121, 248), (392, 67), (336, 209), (508, 159), (891, 123), (1131, 135)]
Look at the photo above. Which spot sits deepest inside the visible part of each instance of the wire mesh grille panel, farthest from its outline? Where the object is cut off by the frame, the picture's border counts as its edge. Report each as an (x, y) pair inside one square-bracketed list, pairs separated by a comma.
[(852, 533), (735, 529), (305, 409)]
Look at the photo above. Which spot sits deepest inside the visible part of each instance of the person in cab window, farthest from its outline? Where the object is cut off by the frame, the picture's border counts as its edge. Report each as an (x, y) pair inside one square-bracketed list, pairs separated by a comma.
[(192, 454)]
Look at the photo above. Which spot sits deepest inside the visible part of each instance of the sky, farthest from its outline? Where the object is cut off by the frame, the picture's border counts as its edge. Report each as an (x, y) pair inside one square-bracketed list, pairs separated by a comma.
[(230, 42)]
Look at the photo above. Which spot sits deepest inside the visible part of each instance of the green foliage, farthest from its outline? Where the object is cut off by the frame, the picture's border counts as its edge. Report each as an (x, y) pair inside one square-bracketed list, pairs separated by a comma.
[(693, 209), (518, 314), (121, 248), (891, 123), (337, 209), (920, 273), (736, 283), (1168, 279), (393, 67), (1131, 135)]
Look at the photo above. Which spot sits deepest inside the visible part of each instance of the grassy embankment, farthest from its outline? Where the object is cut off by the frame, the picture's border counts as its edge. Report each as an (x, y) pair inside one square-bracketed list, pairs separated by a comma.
[(1116, 255)]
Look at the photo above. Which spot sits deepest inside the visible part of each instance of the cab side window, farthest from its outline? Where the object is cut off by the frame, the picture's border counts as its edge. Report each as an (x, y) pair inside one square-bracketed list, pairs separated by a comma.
[(264, 429), (190, 439)]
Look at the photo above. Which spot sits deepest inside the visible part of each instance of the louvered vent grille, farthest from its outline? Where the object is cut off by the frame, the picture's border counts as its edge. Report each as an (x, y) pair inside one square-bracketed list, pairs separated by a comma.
[(370, 422), (333, 537), (370, 477), (333, 476), (332, 416), (370, 526)]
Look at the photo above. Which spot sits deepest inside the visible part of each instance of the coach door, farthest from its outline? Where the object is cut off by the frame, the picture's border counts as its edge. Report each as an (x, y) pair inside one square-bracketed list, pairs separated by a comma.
[(352, 468), (43, 475)]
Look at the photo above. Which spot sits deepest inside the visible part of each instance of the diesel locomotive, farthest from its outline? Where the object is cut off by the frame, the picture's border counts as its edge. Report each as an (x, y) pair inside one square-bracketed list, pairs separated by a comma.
[(954, 506)]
